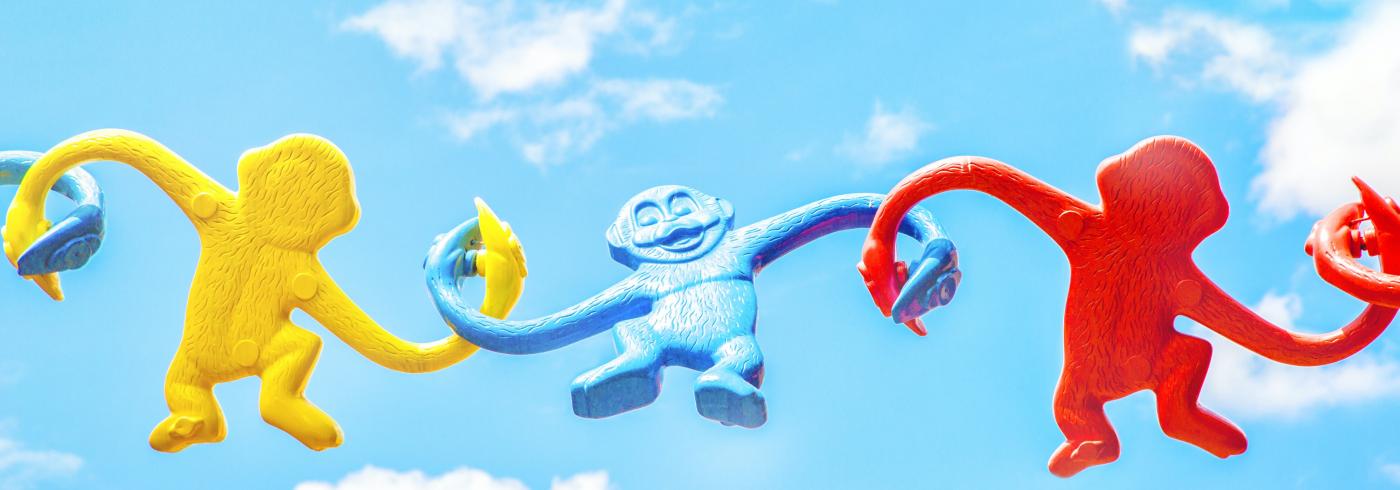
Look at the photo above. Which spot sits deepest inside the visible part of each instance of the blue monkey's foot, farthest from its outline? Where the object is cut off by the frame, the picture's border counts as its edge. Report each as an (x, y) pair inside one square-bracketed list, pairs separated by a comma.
[(728, 399), (605, 392), (932, 282)]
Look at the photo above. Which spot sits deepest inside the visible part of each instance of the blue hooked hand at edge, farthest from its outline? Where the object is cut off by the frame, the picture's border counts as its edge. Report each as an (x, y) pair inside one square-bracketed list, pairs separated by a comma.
[(690, 301), (932, 282), (73, 240)]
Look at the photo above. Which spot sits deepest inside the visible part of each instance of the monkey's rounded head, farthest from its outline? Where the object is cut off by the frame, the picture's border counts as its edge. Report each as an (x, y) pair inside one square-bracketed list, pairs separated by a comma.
[(1164, 188), (298, 192), (668, 224)]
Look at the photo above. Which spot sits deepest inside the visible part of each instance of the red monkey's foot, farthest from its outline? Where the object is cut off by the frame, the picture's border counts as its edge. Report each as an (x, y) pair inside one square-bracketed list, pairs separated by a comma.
[(1073, 457)]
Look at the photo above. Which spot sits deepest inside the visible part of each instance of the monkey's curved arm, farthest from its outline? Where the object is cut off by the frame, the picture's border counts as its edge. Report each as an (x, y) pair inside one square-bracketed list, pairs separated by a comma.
[(191, 189), (453, 258), (1339, 267), (1218, 311), (765, 241), (333, 308), (1042, 203), (68, 244)]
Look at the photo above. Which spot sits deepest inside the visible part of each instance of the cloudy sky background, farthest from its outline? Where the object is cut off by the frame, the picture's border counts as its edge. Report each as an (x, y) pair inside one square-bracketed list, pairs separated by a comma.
[(557, 113)]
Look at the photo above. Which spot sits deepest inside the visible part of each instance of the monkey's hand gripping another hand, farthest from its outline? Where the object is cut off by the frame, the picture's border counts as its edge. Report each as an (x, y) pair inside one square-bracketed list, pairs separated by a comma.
[(1338, 241), (258, 262), (68, 244), (689, 302), (1131, 275)]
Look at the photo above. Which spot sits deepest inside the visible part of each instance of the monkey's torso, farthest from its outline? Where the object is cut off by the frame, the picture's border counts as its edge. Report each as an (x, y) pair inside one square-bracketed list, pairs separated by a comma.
[(700, 306), (242, 296)]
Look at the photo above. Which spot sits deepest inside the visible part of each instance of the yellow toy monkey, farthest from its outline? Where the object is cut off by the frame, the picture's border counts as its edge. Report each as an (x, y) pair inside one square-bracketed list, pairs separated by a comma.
[(257, 263)]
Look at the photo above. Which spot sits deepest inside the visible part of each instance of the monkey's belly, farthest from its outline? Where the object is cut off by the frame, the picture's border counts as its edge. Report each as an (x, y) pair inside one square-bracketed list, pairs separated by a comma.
[(701, 318)]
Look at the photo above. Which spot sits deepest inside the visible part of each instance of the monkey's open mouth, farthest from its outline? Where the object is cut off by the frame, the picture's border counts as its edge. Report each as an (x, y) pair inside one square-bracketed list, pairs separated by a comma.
[(682, 239)]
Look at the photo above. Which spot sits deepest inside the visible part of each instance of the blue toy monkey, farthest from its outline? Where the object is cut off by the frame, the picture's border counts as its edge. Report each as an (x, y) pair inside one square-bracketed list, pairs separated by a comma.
[(690, 301)]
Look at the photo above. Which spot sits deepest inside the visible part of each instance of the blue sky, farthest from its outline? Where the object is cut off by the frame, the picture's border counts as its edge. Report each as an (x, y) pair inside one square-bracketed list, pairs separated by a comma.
[(557, 113)]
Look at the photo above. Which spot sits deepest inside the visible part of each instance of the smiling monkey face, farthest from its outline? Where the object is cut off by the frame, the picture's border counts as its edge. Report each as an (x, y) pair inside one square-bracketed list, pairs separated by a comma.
[(668, 224)]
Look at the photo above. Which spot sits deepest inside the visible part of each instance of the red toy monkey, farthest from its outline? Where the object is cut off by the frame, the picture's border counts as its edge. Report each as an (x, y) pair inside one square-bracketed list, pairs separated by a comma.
[(1131, 275)]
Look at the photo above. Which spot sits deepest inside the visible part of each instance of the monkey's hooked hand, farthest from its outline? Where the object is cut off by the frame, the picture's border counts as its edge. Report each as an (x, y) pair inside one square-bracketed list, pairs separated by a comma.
[(1337, 241), (486, 247), (39, 249)]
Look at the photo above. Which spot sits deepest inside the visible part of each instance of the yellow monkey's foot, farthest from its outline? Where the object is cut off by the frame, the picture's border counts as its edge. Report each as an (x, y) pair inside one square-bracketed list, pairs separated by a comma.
[(178, 431), (304, 421)]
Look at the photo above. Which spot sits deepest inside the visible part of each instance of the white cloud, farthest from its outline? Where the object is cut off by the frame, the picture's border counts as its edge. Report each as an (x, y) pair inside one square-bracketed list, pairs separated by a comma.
[(888, 135), (547, 132), (1243, 57), (1241, 382), (1338, 109), (1340, 118), (22, 468), (495, 46), (1115, 7), (661, 100), (1391, 471), (593, 480), (375, 478), (527, 66)]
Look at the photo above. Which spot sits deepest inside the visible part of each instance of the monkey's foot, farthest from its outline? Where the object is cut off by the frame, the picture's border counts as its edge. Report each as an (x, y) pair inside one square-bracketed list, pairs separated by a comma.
[(1074, 456), (729, 400), (177, 432), (618, 392), (304, 421)]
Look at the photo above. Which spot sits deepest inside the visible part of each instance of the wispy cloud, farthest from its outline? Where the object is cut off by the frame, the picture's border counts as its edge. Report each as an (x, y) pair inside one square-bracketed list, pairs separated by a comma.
[(593, 480), (22, 468), (888, 135), (546, 132), (1115, 7), (1391, 471), (1338, 110), (1341, 117), (1241, 382), (1241, 56), (530, 68), (375, 478)]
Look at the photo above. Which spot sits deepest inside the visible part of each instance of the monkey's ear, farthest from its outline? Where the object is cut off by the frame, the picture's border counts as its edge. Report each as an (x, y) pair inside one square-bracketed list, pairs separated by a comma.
[(615, 235), (726, 210), (620, 243)]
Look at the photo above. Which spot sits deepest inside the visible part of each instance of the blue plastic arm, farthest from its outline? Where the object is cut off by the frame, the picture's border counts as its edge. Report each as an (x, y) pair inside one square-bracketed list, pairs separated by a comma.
[(767, 240), (450, 259), (73, 240)]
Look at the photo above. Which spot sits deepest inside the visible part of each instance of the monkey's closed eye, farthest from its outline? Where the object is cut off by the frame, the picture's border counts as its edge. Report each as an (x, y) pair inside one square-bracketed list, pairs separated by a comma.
[(682, 205), (647, 215)]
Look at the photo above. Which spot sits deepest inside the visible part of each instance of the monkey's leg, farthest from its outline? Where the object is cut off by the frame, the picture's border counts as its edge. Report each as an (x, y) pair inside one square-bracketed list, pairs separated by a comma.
[(195, 416), (1089, 437), (728, 391), (1181, 416), (290, 357), (630, 381)]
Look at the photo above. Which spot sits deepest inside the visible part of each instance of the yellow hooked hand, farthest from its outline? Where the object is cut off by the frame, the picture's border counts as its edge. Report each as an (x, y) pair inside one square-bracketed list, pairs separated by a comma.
[(502, 262), (19, 235)]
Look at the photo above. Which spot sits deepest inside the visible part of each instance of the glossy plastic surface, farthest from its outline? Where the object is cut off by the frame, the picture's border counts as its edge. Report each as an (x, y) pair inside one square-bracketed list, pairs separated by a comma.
[(257, 263), (690, 302), (71, 242), (1131, 275), (1339, 241)]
